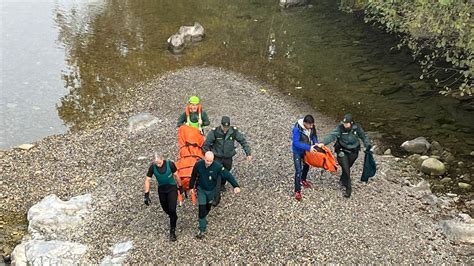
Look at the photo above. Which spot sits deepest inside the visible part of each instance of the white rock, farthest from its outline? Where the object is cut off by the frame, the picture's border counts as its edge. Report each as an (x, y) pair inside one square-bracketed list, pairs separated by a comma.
[(122, 248), (419, 145), (433, 166), (293, 3), (465, 217), (457, 231), (52, 215), (26, 147), (141, 121), (120, 253), (388, 152), (40, 252), (193, 33)]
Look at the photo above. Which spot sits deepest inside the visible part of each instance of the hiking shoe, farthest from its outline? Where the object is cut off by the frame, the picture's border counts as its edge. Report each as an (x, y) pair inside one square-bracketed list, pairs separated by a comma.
[(306, 184), (172, 235), (348, 192), (200, 235), (298, 195), (216, 200)]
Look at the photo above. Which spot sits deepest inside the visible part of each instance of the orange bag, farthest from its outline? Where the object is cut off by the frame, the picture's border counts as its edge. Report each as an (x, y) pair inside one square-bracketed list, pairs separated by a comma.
[(190, 141), (323, 158)]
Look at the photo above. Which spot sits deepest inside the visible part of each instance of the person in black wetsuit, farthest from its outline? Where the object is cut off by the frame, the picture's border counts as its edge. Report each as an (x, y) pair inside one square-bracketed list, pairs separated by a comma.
[(168, 185)]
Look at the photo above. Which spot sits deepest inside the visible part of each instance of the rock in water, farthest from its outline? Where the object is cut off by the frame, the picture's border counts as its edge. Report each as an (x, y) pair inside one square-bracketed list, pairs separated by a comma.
[(433, 166), (293, 3)]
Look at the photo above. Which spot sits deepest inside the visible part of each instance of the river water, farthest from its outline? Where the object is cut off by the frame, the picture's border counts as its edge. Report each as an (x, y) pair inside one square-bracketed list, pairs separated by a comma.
[(65, 62)]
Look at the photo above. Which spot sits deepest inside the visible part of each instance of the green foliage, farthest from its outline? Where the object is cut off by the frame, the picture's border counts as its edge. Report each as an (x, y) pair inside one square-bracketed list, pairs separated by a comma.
[(440, 34)]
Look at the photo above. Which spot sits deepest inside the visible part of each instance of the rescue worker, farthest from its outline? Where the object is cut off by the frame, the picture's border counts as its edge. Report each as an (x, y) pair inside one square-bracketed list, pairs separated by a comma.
[(347, 147), (194, 115), (204, 177), (221, 141), (304, 138), (168, 184)]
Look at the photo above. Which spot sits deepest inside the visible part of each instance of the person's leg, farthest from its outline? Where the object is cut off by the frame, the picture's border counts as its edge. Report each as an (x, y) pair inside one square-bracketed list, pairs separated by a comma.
[(163, 195), (304, 174), (351, 157), (297, 163), (172, 199), (343, 160), (203, 211)]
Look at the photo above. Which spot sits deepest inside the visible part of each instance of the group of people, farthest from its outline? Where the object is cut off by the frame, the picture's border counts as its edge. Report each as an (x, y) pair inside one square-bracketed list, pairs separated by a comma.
[(346, 135), (209, 174)]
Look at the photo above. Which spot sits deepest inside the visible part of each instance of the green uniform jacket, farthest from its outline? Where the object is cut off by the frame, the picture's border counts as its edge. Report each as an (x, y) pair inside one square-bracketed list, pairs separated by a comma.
[(194, 117), (349, 139), (222, 144), (207, 177)]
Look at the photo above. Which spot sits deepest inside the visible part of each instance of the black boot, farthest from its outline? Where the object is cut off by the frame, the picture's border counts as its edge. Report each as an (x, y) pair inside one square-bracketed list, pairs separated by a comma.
[(172, 234), (348, 192)]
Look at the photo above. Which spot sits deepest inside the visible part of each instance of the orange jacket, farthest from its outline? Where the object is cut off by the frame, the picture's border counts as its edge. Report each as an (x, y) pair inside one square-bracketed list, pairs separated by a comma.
[(321, 159)]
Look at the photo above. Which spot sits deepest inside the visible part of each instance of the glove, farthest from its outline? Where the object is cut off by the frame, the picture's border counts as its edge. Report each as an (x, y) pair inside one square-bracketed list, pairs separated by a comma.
[(368, 147), (147, 199)]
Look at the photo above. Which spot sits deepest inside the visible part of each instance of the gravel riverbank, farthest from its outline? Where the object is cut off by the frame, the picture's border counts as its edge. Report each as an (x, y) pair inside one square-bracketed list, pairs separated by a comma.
[(381, 223)]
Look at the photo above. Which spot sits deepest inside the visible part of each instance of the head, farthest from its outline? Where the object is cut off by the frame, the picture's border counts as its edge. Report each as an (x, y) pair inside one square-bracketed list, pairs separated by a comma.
[(347, 121), (225, 123), (159, 159), (308, 121), (193, 103), (208, 158)]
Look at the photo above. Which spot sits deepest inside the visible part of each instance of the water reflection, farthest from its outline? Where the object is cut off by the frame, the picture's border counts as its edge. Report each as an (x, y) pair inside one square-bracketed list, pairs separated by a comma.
[(329, 58)]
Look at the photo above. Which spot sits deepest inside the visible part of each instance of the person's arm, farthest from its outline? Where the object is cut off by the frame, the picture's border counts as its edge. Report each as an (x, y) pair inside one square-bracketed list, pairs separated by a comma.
[(194, 176), (296, 140), (332, 136), (364, 137), (314, 137), (210, 139), (205, 119), (243, 142), (181, 119), (174, 170), (229, 177), (146, 188)]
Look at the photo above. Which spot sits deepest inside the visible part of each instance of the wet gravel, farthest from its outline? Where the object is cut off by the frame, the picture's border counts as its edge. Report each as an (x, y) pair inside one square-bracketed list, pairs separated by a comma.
[(381, 223)]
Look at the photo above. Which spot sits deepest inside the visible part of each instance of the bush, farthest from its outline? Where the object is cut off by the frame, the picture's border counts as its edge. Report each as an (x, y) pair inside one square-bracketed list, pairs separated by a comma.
[(439, 32)]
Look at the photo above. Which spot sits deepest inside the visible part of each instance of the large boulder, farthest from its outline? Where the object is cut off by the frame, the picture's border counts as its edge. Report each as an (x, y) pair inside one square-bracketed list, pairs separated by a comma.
[(433, 166), (293, 3), (192, 33), (41, 252), (419, 145), (177, 41), (141, 121), (52, 216), (458, 231)]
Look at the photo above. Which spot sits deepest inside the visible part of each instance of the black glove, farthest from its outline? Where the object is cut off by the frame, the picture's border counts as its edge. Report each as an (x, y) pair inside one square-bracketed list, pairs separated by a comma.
[(181, 190), (147, 199), (368, 147)]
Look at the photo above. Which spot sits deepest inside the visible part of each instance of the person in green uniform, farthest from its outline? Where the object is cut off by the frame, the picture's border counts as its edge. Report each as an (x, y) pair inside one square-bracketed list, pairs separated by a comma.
[(221, 141), (204, 178), (168, 184), (347, 136), (194, 115)]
